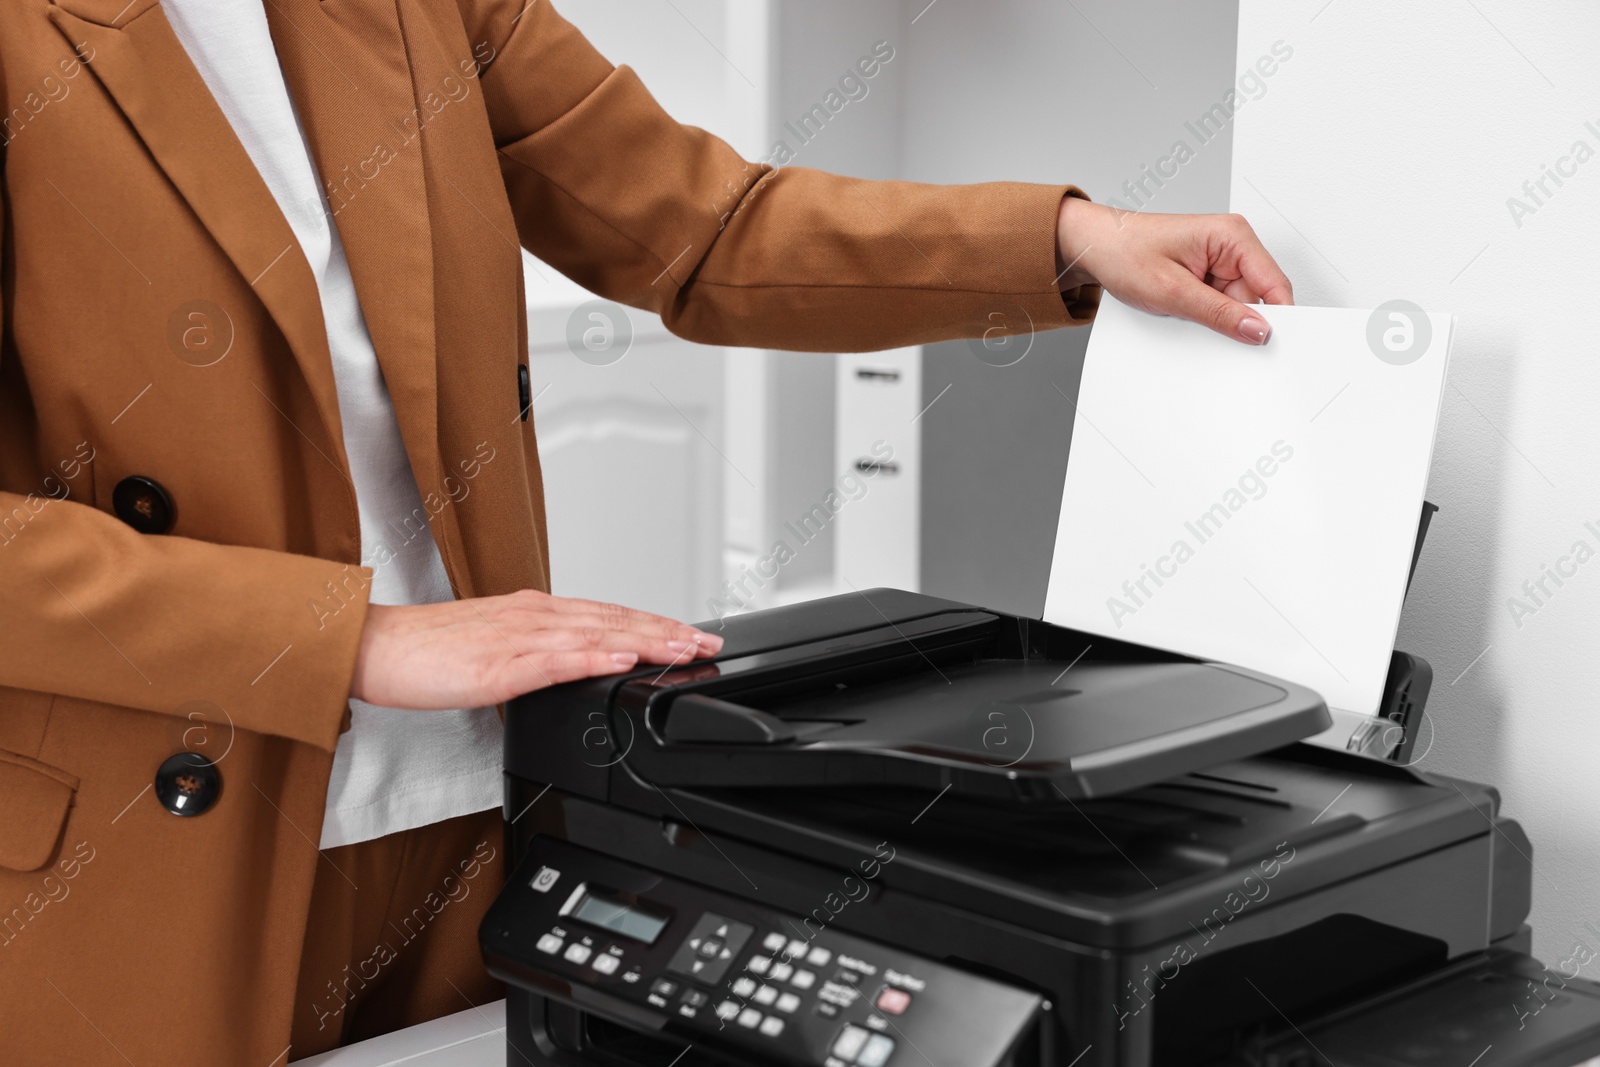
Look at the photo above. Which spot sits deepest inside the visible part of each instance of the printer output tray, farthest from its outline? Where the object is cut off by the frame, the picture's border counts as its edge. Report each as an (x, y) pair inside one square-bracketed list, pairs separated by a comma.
[(888, 688)]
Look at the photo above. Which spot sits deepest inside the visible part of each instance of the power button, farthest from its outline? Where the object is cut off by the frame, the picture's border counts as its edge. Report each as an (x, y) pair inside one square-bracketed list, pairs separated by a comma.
[(545, 879)]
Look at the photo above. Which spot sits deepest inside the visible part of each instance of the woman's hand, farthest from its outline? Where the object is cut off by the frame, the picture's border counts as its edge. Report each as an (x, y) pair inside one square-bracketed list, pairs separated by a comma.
[(1207, 268), (470, 653)]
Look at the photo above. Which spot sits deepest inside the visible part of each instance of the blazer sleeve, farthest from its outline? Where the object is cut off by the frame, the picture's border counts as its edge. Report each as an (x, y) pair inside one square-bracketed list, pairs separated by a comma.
[(610, 190), (94, 610), (97, 611)]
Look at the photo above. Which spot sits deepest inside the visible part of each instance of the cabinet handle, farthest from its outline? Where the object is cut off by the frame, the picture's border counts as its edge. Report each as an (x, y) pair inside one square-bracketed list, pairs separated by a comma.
[(870, 375), (872, 466)]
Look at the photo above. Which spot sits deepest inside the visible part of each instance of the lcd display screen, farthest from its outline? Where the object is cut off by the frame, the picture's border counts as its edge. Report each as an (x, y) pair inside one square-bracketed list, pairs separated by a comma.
[(618, 916)]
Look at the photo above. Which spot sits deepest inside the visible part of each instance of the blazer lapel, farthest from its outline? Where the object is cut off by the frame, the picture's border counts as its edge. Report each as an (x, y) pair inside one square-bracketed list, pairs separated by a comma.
[(144, 67), (348, 67)]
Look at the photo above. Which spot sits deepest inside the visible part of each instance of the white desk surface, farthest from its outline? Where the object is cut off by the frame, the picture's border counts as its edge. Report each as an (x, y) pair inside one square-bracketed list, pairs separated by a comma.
[(472, 1038)]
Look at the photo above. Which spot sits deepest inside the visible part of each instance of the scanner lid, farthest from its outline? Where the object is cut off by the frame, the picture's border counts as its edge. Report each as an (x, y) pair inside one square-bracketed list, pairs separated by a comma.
[(884, 687)]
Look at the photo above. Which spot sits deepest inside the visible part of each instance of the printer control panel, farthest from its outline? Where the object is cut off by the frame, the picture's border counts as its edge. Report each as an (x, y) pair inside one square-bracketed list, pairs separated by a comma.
[(768, 986)]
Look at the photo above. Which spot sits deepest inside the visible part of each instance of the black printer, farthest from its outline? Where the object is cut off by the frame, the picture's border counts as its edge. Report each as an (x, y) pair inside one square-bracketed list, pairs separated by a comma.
[(888, 830)]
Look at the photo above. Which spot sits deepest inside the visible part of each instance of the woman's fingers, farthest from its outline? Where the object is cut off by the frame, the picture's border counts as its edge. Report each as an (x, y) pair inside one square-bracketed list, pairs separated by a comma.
[(1236, 288), (593, 627), (563, 611), (527, 673), (648, 647), (1188, 297), (1257, 267)]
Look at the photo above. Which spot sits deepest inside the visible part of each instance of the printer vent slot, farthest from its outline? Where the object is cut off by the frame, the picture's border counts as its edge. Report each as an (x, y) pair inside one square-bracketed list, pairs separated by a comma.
[(1240, 782), (1227, 794)]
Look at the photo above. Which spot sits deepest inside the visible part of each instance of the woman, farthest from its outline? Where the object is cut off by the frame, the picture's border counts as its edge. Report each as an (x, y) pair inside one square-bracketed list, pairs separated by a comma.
[(272, 544)]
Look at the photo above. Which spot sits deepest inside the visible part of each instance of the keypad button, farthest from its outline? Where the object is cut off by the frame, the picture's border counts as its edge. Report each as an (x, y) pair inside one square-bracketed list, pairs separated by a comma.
[(877, 1051), (893, 1001), (789, 1003), (759, 964), (774, 942), (819, 957), (579, 953), (606, 963), (709, 949), (743, 987), (804, 979), (695, 999), (847, 1046), (727, 1010), (766, 995), (781, 972), (772, 1026), (549, 944), (749, 1018), (796, 949), (664, 987)]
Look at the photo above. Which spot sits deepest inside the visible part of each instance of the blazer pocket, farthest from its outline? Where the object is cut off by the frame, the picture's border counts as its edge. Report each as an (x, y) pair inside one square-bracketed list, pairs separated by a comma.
[(36, 798)]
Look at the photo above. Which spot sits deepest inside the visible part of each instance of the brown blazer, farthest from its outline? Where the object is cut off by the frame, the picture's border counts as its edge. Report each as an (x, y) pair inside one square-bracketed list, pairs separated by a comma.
[(159, 320)]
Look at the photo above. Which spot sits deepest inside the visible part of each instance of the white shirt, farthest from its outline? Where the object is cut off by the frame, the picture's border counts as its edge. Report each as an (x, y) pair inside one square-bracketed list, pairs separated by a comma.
[(393, 769)]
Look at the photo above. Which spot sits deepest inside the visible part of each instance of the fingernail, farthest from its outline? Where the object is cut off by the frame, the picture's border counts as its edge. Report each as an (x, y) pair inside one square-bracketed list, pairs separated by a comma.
[(624, 659), (1255, 330), (680, 646), (709, 642)]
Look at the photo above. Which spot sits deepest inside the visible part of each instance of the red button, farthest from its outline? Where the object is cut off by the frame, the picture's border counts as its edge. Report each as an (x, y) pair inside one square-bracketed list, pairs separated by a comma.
[(894, 1001)]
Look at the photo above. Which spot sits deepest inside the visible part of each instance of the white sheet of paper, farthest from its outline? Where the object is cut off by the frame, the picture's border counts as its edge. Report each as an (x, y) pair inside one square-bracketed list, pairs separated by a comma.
[(1257, 506)]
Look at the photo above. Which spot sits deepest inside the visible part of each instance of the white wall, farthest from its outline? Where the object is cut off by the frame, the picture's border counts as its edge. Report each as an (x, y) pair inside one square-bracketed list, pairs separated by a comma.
[(1087, 92), (1378, 165)]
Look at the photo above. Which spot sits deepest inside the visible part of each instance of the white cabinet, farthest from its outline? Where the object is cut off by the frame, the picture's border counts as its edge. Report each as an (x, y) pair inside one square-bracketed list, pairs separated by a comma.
[(880, 455)]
